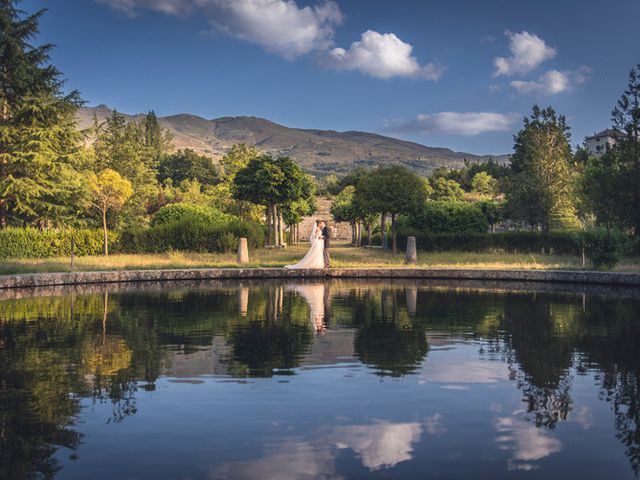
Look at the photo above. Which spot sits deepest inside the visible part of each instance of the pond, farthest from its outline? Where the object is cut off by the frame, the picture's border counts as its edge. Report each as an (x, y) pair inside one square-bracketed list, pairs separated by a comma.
[(334, 379)]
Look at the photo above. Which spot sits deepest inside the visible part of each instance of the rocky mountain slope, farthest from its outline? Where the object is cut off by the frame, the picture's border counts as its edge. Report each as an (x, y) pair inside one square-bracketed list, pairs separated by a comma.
[(318, 151)]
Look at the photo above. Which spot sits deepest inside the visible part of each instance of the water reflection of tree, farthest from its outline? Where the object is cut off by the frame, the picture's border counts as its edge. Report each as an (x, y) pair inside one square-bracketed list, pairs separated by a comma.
[(612, 348), (388, 338), (272, 336), (541, 339)]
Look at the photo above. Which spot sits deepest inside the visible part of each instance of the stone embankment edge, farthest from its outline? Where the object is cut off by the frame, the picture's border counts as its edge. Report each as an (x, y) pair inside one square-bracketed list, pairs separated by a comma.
[(121, 276)]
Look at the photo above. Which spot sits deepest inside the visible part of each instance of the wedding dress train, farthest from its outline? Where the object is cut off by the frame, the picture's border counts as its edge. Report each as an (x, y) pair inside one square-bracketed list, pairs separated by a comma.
[(315, 256)]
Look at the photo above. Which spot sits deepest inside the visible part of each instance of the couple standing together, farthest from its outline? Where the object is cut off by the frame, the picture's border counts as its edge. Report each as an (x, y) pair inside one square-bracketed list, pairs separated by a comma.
[(318, 254)]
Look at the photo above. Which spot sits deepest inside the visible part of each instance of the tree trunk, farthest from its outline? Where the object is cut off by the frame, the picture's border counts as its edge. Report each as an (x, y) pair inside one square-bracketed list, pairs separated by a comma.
[(383, 228), (280, 229), (370, 235), (394, 242), (269, 233), (359, 234), (104, 229)]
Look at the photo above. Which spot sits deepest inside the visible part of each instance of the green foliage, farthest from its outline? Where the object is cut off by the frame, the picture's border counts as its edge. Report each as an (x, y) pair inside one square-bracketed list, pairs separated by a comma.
[(447, 217), (191, 234), (39, 144), (187, 165), (392, 190), (236, 159), (176, 212), (603, 247), (446, 190), (484, 184), (465, 175), (35, 243), (568, 243), (611, 182), (269, 181), (494, 211), (540, 188)]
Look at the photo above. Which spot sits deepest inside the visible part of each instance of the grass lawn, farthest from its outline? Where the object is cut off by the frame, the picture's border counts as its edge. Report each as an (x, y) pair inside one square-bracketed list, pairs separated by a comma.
[(342, 256)]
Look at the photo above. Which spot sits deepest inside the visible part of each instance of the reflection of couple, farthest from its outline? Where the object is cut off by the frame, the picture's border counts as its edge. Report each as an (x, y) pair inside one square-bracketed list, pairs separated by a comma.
[(318, 254), (317, 297)]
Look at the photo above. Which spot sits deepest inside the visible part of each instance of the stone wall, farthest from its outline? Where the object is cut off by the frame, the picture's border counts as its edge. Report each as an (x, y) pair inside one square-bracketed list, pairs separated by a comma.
[(553, 276)]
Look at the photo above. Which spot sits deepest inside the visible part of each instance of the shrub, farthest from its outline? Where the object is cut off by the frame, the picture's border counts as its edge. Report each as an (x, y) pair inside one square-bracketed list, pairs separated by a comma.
[(603, 248), (34, 243), (176, 212)]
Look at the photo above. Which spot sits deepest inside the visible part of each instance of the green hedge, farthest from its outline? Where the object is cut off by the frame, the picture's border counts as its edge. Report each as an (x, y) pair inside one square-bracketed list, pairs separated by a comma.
[(191, 234), (519, 242), (176, 212), (447, 217), (34, 243)]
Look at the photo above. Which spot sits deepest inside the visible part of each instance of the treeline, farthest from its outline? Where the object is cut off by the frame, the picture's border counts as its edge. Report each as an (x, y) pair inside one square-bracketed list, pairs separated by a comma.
[(590, 201)]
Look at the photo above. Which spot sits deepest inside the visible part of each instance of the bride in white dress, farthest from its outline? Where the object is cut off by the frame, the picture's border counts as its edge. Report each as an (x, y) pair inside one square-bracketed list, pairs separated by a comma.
[(315, 256)]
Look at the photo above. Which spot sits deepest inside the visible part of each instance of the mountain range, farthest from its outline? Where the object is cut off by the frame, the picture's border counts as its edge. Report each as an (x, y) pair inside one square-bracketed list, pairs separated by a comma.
[(318, 152)]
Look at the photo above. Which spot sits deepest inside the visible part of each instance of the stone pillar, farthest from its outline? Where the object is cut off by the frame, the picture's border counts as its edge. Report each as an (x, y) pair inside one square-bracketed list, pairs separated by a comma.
[(411, 255), (243, 251)]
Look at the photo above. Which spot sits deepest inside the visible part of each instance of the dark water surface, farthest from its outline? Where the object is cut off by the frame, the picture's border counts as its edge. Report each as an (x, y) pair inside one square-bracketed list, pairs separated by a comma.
[(341, 379)]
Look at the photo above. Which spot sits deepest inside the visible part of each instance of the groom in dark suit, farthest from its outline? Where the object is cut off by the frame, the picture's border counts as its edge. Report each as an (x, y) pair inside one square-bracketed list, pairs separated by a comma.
[(326, 236)]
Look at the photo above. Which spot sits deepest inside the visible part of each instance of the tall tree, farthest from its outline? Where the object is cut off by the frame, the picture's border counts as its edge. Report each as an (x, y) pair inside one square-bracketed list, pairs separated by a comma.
[(626, 118), (39, 144), (540, 188), (120, 146), (157, 140)]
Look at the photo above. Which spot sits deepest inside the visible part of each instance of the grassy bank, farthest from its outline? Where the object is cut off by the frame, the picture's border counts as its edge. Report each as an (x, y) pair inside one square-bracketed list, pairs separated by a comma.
[(342, 255)]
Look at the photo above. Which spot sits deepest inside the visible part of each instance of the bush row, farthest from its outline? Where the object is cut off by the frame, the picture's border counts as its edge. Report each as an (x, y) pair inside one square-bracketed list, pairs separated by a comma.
[(517, 241), (34, 243), (191, 234)]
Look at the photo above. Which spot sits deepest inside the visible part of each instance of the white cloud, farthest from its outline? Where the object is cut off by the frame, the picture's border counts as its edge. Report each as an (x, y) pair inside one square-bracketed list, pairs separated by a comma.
[(279, 26), (527, 442), (552, 82), (527, 52), (383, 56), (381, 445), (456, 123)]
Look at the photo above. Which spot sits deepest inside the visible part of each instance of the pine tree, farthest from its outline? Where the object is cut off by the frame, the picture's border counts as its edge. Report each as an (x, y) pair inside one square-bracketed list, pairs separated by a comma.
[(39, 144), (626, 118)]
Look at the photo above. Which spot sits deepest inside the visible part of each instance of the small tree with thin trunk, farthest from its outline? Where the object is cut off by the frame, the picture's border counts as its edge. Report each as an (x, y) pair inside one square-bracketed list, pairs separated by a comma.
[(108, 191)]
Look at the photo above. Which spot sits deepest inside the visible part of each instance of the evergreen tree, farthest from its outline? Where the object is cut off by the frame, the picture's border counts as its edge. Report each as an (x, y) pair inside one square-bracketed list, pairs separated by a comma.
[(626, 118), (120, 146), (39, 144), (157, 140), (540, 188)]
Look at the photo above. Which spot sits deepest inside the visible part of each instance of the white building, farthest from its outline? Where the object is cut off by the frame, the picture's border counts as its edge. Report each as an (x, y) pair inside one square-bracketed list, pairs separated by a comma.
[(602, 141)]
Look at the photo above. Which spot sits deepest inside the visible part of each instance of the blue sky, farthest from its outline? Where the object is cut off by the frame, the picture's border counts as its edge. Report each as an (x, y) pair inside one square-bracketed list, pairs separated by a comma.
[(458, 73)]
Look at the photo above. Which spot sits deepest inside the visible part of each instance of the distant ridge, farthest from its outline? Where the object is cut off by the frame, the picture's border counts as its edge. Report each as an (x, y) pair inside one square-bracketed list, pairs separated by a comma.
[(319, 152)]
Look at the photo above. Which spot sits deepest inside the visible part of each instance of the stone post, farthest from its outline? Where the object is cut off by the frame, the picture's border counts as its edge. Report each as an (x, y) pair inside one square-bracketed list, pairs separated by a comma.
[(243, 251), (411, 255)]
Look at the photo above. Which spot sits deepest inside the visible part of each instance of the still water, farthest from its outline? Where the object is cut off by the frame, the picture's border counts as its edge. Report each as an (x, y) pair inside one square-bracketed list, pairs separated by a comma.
[(338, 379)]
